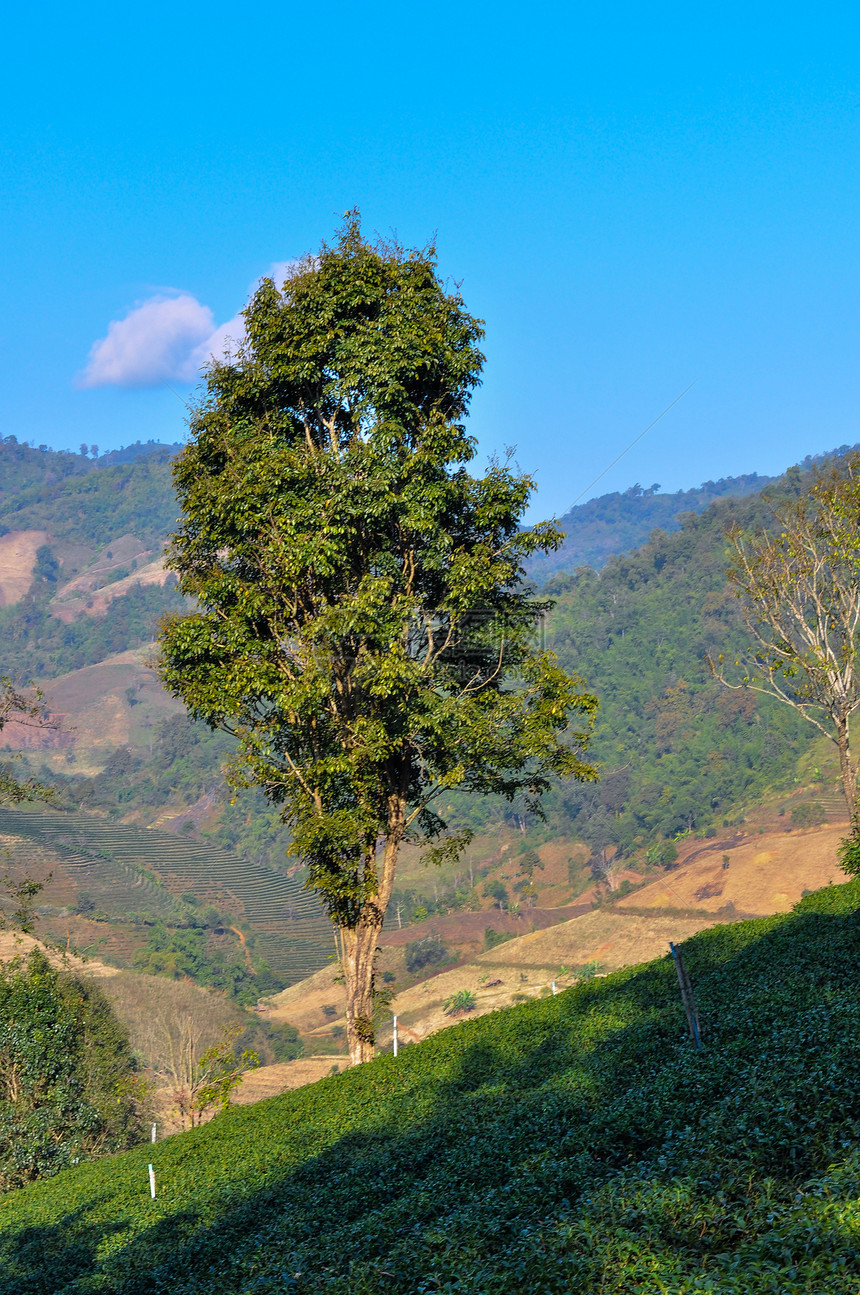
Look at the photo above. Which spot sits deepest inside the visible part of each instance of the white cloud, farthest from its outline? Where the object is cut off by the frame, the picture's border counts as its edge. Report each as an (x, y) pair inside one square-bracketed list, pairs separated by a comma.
[(225, 340), (152, 344), (169, 337)]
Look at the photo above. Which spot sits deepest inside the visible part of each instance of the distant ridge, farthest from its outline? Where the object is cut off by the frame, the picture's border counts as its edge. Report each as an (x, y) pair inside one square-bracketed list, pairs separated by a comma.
[(623, 520), (620, 521)]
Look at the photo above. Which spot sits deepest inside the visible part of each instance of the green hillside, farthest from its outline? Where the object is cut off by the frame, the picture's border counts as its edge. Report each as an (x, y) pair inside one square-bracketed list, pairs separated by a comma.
[(677, 752), (573, 1144), (131, 873), (87, 501), (613, 523)]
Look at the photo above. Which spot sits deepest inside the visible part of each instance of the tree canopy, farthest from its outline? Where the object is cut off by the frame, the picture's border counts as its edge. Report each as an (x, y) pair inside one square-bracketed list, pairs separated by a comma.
[(362, 625)]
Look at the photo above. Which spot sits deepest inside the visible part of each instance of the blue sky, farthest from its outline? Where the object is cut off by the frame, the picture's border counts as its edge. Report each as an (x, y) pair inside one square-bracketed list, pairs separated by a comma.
[(633, 197)]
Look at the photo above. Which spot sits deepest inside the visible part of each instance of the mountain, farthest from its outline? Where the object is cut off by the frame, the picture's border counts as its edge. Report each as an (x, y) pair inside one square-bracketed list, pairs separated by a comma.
[(614, 523), (84, 588)]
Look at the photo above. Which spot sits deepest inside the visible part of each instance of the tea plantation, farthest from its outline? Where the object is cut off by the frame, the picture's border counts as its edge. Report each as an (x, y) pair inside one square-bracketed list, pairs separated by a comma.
[(572, 1144), (111, 860)]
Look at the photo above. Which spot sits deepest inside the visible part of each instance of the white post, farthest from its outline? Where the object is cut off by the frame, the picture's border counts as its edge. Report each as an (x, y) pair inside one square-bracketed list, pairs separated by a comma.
[(153, 1133), (394, 1036), (554, 990), (152, 1182)]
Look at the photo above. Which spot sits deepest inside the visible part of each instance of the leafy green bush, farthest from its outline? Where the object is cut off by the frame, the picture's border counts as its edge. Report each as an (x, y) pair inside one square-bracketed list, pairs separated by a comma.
[(463, 1001), (68, 1084), (427, 952), (848, 852), (663, 854), (493, 938)]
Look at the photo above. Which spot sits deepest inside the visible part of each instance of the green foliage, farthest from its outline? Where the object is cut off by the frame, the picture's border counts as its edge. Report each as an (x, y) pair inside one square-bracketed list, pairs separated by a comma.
[(68, 1087), (848, 852), (663, 854), (82, 503), (463, 1001), (493, 938), (426, 952), (281, 1042), (78, 500), (808, 814), (20, 707), (220, 1069), (676, 749), (498, 891), (37, 644), (46, 566), (528, 862), (574, 1144), (615, 523), (181, 953), (360, 622), (798, 584)]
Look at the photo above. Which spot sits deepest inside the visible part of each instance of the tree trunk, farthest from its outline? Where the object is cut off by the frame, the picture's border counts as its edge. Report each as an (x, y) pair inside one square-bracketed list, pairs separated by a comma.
[(360, 944), (847, 769), (359, 964)]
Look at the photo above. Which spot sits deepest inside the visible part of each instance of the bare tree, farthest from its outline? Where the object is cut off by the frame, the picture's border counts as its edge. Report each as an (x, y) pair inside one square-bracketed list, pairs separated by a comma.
[(185, 1035), (799, 588), (607, 865)]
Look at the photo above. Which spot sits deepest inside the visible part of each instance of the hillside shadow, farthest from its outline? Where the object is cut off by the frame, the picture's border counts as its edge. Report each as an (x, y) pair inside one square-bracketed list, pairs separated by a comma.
[(527, 1113)]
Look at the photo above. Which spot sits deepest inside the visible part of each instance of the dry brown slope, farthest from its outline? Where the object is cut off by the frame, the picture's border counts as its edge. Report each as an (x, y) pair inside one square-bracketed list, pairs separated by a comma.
[(17, 557), (766, 873), (523, 967)]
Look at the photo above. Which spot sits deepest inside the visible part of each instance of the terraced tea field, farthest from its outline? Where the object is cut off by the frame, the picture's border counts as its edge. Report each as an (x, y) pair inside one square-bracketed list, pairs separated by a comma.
[(109, 861)]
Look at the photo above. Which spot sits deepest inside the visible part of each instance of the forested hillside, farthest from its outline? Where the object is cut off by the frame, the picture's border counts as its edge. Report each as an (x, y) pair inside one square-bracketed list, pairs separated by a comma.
[(70, 509), (676, 751), (623, 520), (87, 501)]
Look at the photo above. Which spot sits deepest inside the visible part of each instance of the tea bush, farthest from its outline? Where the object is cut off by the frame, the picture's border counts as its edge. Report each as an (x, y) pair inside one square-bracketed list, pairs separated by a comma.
[(575, 1144)]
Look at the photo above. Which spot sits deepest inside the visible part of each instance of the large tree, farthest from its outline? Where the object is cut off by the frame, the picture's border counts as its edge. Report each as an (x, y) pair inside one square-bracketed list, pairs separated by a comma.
[(799, 588), (362, 625)]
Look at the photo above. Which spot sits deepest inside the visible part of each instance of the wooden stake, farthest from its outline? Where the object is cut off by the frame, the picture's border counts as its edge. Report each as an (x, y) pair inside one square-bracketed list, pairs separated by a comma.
[(687, 996)]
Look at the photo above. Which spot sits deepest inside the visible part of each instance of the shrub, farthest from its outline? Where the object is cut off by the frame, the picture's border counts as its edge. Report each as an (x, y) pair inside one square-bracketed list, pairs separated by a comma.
[(808, 814), (848, 851), (463, 1001), (664, 854), (497, 891), (493, 938), (426, 952), (68, 1084)]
